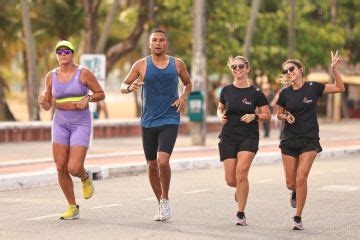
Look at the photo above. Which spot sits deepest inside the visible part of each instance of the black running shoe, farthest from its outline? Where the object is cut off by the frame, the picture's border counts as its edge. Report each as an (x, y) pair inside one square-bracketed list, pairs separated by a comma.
[(297, 223), (240, 219)]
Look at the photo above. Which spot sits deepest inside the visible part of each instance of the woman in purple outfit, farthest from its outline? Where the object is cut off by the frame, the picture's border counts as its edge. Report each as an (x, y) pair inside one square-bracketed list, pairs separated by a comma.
[(69, 85)]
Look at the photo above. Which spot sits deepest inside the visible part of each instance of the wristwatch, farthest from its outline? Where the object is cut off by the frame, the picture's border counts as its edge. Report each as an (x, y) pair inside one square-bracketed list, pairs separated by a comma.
[(256, 117), (90, 97)]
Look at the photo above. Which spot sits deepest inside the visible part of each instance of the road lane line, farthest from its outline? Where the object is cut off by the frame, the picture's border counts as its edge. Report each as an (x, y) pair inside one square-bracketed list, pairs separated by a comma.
[(43, 217), (197, 191), (339, 170), (149, 199), (106, 206), (264, 181), (340, 188)]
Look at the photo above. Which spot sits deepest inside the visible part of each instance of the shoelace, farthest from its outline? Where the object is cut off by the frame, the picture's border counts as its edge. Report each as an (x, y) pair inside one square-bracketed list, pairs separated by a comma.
[(164, 207)]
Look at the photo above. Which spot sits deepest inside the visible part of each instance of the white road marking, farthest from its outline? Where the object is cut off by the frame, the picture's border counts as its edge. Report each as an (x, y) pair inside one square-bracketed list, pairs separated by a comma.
[(197, 191), (43, 217), (12, 200), (264, 181), (340, 188), (149, 199), (106, 206), (339, 170)]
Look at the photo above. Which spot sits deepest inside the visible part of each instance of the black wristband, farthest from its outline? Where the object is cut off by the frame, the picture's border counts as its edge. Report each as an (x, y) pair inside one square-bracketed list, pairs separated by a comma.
[(256, 117)]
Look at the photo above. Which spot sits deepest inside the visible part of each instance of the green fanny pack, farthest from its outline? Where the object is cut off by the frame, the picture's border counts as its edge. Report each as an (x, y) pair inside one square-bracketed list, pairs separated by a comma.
[(69, 99)]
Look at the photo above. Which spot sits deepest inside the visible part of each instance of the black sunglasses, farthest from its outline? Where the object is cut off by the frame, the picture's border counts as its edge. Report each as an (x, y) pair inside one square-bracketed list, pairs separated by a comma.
[(289, 70), (66, 51), (235, 66)]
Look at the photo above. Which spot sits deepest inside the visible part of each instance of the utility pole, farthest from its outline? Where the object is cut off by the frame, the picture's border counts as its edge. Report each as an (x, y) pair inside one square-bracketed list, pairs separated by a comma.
[(198, 66)]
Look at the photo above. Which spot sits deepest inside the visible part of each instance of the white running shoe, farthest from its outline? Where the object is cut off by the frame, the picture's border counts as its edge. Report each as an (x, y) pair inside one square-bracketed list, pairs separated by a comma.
[(297, 224), (157, 216), (164, 211), (241, 221)]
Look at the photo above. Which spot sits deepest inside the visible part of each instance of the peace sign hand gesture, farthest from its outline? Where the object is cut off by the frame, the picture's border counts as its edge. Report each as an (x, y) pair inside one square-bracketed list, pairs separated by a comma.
[(335, 59)]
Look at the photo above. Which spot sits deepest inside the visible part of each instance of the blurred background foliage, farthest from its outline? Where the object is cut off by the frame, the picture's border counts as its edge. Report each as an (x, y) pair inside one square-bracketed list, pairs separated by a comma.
[(317, 32)]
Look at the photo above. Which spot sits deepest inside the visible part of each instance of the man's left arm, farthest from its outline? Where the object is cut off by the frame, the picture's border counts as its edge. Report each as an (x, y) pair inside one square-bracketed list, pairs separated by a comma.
[(185, 79)]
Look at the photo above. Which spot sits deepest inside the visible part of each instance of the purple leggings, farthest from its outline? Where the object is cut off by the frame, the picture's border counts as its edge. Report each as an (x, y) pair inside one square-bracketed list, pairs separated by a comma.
[(71, 128)]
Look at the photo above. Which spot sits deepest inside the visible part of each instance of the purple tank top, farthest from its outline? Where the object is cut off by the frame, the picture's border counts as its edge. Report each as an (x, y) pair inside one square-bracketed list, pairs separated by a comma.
[(72, 88)]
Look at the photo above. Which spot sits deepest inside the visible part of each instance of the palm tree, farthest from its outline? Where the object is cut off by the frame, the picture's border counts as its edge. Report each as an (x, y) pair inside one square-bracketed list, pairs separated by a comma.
[(292, 37), (32, 86), (251, 27)]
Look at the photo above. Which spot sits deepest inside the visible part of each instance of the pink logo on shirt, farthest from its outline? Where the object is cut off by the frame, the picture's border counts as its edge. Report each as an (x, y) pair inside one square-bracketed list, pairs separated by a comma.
[(245, 101), (306, 100)]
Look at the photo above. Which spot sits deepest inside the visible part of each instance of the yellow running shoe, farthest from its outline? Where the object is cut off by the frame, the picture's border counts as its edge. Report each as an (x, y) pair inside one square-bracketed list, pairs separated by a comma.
[(87, 186), (71, 213)]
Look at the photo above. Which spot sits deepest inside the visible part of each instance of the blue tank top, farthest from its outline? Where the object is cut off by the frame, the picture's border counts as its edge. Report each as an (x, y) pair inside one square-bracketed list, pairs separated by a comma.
[(159, 91), (72, 88)]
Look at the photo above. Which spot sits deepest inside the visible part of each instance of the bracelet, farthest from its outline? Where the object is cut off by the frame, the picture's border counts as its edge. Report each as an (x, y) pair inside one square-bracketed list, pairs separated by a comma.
[(128, 88), (90, 97)]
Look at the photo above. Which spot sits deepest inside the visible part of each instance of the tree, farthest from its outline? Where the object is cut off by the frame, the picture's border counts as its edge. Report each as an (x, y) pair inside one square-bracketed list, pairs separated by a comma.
[(251, 27), (330, 99), (8, 28), (5, 113), (120, 49), (32, 86), (292, 32), (198, 66), (100, 46), (91, 27)]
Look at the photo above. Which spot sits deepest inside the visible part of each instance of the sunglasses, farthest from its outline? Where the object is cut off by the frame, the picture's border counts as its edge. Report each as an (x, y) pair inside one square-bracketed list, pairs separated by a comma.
[(239, 66), (66, 51), (289, 70)]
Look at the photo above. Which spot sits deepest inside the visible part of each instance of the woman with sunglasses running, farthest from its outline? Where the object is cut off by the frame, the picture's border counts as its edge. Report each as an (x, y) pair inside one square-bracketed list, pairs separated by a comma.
[(69, 85), (239, 138), (300, 136)]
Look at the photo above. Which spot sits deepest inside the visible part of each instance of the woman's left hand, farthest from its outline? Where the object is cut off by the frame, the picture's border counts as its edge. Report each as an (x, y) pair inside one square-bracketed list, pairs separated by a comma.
[(83, 103)]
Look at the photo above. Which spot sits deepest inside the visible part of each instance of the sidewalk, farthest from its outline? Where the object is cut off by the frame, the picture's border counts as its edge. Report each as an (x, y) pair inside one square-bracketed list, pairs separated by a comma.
[(31, 165)]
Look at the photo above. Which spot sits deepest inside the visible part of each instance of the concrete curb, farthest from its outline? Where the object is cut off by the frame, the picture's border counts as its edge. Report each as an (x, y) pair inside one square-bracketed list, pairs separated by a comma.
[(49, 177)]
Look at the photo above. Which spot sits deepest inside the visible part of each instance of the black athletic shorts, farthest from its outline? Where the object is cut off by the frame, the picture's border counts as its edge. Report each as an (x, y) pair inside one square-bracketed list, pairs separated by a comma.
[(296, 146), (159, 139), (229, 147)]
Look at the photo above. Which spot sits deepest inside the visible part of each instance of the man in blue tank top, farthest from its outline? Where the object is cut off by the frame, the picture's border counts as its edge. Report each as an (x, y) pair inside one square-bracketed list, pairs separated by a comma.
[(158, 76)]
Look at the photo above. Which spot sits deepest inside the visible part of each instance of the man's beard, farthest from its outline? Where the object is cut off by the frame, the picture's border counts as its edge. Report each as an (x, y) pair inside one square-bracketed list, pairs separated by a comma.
[(158, 53)]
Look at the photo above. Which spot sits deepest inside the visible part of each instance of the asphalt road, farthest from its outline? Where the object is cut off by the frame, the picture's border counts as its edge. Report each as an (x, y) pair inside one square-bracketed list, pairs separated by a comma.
[(203, 207)]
